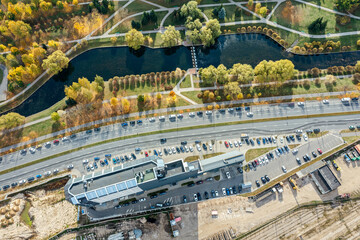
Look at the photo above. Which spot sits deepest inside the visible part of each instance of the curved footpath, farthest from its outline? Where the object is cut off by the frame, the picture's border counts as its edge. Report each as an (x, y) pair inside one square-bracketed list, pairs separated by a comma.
[(4, 83)]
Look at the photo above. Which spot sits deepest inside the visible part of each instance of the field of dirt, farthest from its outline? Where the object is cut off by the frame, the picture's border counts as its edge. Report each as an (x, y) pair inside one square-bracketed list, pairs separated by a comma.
[(241, 215), (49, 214)]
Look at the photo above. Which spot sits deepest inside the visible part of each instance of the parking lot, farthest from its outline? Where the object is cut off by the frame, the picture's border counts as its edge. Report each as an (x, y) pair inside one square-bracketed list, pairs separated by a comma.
[(230, 179)]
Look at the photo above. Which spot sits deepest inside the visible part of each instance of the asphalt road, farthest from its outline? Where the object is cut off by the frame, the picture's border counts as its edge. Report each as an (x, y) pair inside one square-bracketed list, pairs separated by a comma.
[(175, 194), (117, 147)]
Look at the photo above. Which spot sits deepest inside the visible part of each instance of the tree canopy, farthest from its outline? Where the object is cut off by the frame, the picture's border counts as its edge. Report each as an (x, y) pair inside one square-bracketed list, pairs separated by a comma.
[(171, 37), (281, 70), (190, 9), (134, 39), (11, 120), (56, 62)]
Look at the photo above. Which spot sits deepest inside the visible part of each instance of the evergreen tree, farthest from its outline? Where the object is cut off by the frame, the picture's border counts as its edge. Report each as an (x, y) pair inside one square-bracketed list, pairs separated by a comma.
[(222, 13)]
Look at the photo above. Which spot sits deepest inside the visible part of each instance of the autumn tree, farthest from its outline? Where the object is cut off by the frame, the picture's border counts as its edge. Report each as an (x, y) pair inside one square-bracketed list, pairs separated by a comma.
[(55, 116), (242, 73), (210, 32), (19, 29), (134, 39), (171, 37), (125, 105), (357, 67), (232, 89), (114, 102), (190, 9), (55, 62), (11, 120), (281, 71)]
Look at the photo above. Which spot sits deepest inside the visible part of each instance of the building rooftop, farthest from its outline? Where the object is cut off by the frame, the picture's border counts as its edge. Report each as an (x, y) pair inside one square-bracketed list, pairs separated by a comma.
[(222, 160)]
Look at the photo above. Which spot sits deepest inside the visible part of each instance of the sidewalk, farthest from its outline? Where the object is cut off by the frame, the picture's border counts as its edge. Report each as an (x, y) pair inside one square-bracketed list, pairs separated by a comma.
[(4, 83)]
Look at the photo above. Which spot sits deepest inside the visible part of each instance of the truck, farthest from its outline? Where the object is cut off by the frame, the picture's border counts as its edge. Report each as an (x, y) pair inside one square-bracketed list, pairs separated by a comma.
[(293, 184), (357, 148)]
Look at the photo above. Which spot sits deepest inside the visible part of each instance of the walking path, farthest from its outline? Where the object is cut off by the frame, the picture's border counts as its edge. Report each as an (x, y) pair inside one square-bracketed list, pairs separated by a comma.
[(4, 83)]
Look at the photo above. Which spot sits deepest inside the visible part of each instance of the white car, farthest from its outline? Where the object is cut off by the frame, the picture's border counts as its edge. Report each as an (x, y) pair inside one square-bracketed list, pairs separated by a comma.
[(162, 118), (210, 147), (21, 182), (169, 151), (281, 140), (85, 161), (224, 191), (191, 148), (240, 143), (191, 114), (299, 131), (274, 139), (325, 101), (160, 152), (48, 144), (186, 149), (64, 139), (173, 150), (235, 143), (142, 199), (228, 175), (284, 169), (250, 114), (295, 151), (305, 137), (216, 194), (56, 171), (48, 173), (32, 149), (300, 104), (230, 144), (277, 152), (152, 119), (208, 112), (70, 166), (266, 160), (198, 147), (195, 197), (92, 167)]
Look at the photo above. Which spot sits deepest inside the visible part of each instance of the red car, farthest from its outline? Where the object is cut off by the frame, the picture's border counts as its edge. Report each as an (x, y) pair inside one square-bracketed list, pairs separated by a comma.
[(56, 141), (256, 161), (146, 154), (319, 151), (226, 144)]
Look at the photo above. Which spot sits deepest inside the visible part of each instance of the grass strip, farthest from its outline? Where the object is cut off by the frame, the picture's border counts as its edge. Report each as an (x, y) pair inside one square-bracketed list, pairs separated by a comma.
[(254, 153), (25, 214), (174, 130)]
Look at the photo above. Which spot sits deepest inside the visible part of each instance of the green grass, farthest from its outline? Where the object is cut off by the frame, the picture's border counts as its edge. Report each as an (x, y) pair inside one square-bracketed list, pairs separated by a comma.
[(170, 20), (209, 155), (230, 14), (24, 216), (193, 96), (351, 139), (45, 113), (186, 83), (257, 152), (323, 3), (173, 130), (41, 128), (139, 6), (205, 156), (289, 89), (305, 15), (126, 25), (172, 3), (320, 134)]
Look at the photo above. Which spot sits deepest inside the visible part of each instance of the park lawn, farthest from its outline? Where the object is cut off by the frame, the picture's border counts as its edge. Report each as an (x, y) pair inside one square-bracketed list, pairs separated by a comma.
[(193, 96), (41, 128), (170, 20), (305, 15), (45, 113), (113, 20), (126, 25), (212, 2), (167, 3), (323, 3), (139, 6), (230, 14), (186, 83)]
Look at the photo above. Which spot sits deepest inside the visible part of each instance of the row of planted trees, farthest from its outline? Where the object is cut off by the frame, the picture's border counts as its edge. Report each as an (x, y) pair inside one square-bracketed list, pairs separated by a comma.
[(160, 80), (321, 47)]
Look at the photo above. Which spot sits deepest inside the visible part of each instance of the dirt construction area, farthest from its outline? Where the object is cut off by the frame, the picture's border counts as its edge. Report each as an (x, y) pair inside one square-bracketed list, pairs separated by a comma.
[(36, 215), (240, 215)]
